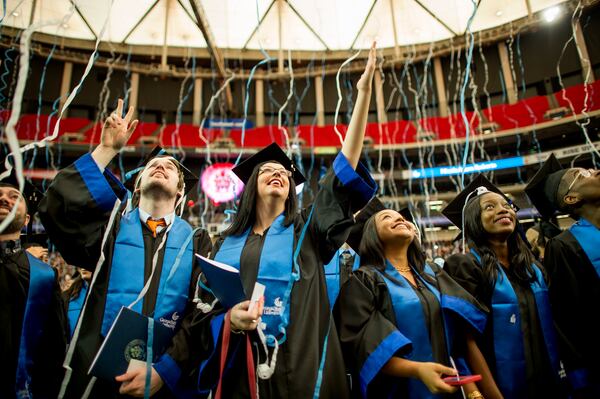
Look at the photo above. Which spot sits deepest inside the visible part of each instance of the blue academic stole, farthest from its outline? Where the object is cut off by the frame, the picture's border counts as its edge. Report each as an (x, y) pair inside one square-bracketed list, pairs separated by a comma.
[(274, 271), (410, 321), (508, 337), (126, 278), (588, 236), (75, 306), (39, 296), (333, 273)]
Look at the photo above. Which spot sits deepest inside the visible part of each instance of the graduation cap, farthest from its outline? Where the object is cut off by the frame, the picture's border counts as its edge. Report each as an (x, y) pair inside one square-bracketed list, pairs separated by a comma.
[(271, 153), (35, 239), (30, 193), (131, 177), (372, 207), (479, 186), (543, 187)]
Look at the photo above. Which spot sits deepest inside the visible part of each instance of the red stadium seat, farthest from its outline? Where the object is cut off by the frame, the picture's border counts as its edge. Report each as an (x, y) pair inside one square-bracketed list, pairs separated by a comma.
[(524, 113), (507, 116), (576, 95), (452, 126), (32, 127), (393, 132), (73, 125), (258, 137)]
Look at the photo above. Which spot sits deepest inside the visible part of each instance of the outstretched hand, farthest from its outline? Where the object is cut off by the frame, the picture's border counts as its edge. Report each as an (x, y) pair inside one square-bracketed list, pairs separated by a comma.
[(364, 83), (118, 129), (431, 375)]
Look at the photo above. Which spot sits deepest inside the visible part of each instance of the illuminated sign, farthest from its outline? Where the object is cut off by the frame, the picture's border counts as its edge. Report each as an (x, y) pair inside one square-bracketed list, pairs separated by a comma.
[(220, 183), (231, 123), (479, 167)]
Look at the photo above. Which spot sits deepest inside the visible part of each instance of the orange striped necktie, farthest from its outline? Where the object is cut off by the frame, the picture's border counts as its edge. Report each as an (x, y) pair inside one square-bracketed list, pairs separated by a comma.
[(153, 224)]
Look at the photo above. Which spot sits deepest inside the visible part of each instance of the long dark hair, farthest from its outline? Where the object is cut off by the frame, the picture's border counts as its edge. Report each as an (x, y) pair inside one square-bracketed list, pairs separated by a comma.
[(246, 212), (520, 257), (77, 284), (372, 253)]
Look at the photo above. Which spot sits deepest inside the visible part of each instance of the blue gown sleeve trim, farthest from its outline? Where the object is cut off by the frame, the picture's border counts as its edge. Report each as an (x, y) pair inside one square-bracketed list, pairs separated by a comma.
[(97, 182), (216, 325), (359, 180), (579, 378), (168, 370), (468, 311), (379, 357)]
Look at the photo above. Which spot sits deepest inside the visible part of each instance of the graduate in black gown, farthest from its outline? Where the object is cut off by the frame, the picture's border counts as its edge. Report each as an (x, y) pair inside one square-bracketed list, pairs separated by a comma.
[(123, 248), (400, 320), (33, 329), (519, 342), (572, 260), (269, 241)]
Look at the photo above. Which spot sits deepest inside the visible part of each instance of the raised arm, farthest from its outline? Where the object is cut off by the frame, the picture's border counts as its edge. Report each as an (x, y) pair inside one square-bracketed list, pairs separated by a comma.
[(115, 134), (353, 142), (76, 207)]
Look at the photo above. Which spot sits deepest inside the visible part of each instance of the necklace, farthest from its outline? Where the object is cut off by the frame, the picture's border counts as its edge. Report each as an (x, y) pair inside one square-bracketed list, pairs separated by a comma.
[(403, 269)]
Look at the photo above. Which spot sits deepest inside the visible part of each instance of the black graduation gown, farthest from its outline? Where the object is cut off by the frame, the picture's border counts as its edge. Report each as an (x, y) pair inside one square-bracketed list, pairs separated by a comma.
[(76, 221), (342, 192), (539, 375), (14, 288), (366, 319), (574, 290)]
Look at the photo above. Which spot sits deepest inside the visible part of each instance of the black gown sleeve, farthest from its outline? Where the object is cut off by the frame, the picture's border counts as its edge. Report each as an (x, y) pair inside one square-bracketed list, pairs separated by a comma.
[(366, 327), (47, 369), (574, 291), (343, 191), (466, 272), (76, 208), (176, 366)]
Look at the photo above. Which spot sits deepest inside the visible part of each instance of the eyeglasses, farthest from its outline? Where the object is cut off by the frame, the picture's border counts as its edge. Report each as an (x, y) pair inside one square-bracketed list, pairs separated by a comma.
[(271, 171), (581, 173)]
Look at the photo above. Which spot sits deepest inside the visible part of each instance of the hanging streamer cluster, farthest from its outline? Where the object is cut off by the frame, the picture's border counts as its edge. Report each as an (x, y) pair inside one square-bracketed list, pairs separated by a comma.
[(411, 96)]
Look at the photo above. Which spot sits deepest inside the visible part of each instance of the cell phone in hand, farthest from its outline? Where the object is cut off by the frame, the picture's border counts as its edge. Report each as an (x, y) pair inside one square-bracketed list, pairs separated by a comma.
[(456, 380)]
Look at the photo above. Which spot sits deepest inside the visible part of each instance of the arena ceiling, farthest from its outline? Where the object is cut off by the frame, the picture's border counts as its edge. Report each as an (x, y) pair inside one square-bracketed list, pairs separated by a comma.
[(311, 25)]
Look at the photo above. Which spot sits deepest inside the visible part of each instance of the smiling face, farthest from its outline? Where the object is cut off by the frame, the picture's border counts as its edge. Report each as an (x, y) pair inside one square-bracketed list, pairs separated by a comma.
[(161, 176), (273, 181), (579, 184), (497, 215), (391, 227), (8, 198)]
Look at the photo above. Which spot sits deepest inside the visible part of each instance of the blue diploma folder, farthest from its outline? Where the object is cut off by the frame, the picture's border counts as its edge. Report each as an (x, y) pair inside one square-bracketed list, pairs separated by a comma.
[(127, 340), (224, 281)]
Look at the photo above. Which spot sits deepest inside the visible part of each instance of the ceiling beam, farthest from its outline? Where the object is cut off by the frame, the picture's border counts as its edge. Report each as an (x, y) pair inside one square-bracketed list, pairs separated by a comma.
[(280, 59), (362, 26), (258, 25), (308, 25), (215, 53), (529, 10), (32, 13), (187, 12), (165, 48), (394, 30), (428, 11), (474, 13), (84, 20), (139, 22)]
